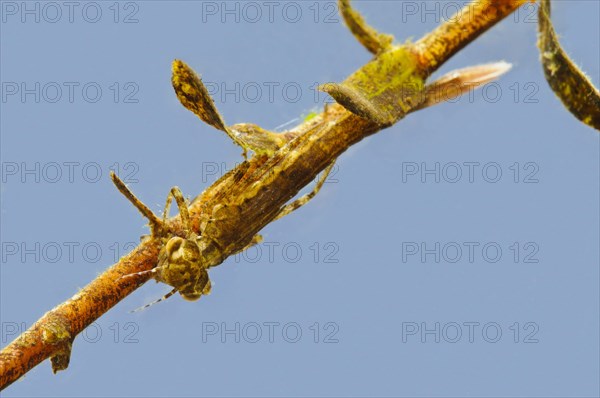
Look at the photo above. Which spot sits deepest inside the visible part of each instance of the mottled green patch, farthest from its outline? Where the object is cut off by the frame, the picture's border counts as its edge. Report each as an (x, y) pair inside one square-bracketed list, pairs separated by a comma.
[(310, 116), (383, 90)]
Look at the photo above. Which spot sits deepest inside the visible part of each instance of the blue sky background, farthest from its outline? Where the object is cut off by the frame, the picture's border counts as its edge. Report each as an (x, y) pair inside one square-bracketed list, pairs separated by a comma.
[(343, 270)]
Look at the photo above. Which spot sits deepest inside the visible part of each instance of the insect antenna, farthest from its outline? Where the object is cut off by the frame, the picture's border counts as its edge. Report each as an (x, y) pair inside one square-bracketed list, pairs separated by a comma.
[(166, 296), (150, 271)]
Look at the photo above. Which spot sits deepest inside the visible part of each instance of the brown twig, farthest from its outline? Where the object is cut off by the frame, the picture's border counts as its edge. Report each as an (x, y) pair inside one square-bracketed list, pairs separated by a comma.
[(447, 39), (250, 196)]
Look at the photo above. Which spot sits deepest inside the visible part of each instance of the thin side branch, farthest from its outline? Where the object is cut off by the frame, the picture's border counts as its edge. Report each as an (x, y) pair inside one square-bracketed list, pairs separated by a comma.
[(231, 212), (372, 40)]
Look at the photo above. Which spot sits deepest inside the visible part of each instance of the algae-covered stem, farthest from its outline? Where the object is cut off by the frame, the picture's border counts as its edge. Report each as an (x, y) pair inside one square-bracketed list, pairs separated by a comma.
[(247, 198)]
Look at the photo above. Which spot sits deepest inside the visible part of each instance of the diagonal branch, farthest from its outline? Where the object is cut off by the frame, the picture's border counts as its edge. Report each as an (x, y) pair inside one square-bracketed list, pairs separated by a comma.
[(467, 24), (251, 196)]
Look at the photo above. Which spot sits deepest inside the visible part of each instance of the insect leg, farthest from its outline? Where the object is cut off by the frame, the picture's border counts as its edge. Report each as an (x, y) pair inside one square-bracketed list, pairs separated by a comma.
[(287, 209), (256, 239), (167, 208), (155, 223), (183, 209)]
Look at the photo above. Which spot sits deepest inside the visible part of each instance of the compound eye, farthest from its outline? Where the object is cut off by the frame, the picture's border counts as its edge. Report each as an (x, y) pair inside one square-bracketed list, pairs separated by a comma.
[(174, 244)]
